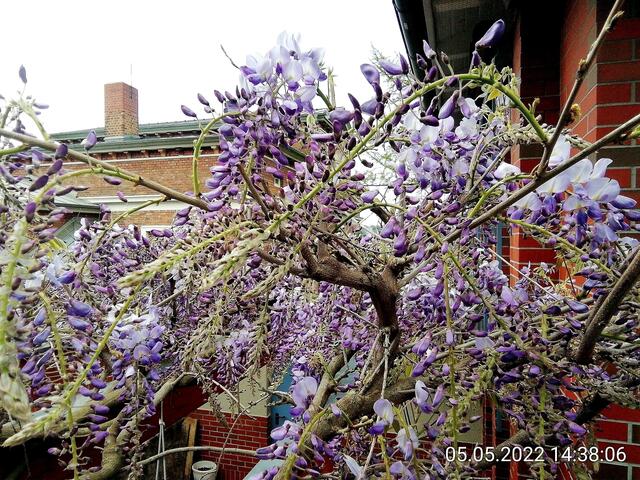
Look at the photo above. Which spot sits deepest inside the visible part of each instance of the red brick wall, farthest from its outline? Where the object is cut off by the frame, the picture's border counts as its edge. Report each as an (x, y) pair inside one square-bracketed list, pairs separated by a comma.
[(578, 31), (608, 99), (618, 72), (170, 171), (536, 60), (609, 96), (160, 166), (248, 433)]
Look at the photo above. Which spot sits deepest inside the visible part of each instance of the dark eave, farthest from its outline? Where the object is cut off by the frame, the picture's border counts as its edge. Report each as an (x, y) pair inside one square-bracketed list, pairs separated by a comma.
[(451, 26), (76, 205)]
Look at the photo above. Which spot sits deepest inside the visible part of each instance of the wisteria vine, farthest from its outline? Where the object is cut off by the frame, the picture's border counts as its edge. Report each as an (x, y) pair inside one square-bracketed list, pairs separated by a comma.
[(390, 302)]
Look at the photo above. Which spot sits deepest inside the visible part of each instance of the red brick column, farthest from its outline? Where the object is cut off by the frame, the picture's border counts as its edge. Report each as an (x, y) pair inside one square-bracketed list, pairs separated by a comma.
[(610, 96), (536, 61)]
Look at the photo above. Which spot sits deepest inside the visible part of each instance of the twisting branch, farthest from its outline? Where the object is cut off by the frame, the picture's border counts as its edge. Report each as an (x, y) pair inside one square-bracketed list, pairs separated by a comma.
[(299, 272), (239, 451), (330, 269), (327, 383), (601, 316)]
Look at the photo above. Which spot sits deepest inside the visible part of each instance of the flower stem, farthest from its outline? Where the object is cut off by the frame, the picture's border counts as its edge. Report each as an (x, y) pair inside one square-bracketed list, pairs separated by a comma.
[(197, 147)]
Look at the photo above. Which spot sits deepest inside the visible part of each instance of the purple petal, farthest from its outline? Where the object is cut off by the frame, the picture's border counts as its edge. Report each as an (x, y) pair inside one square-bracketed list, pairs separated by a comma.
[(22, 73), (341, 115), (623, 202), (79, 309), (384, 410), (370, 73), (55, 167), (91, 140), (61, 151), (492, 36), (391, 68), (67, 277), (188, 112), (369, 196), (38, 183), (141, 352), (304, 389), (203, 100)]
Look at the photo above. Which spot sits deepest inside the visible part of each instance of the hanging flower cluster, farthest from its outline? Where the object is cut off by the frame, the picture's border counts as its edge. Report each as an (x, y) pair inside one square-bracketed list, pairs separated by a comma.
[(390, 302)]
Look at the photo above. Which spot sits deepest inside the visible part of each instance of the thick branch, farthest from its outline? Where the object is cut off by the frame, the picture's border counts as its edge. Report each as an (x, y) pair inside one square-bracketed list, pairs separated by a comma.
[(327, 383), (384, 297), (299, 272), (604, 311), (354, 405), (330, 269), (112, 455)]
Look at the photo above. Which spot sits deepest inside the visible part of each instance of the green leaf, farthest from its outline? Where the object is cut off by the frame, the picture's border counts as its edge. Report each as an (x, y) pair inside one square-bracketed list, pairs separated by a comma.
[(493, 94)]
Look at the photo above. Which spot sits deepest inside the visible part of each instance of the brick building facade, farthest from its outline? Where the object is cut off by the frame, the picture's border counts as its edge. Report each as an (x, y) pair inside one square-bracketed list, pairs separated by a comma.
[(159, 151), (544, 44), (609, 95)]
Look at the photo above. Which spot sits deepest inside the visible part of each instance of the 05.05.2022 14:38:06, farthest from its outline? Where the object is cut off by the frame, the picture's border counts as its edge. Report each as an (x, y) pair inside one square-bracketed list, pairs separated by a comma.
[(536, 454)]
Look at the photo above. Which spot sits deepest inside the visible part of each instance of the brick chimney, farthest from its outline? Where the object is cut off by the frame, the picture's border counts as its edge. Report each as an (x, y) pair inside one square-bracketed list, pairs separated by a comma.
[(120, 110)]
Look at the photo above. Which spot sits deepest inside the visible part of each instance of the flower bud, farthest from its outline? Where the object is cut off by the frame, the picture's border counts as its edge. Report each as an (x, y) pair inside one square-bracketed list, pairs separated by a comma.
[(22, 73), (493, 35), (39, 182), (370, 73), (428, 51), (91, 140), (61, 151), (203, 100), (188, 112), (391, 68)]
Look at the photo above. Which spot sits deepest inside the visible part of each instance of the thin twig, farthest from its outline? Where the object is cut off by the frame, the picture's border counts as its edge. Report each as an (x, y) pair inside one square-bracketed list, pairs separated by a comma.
[(89, 160), (581, 73)]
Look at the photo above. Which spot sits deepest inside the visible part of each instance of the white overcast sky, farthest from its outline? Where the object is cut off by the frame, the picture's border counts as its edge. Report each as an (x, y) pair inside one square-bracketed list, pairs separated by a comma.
[(71, 48)]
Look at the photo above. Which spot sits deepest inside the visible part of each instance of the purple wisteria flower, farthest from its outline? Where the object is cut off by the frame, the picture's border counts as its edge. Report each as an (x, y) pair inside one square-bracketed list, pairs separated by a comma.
[(356, 243), (302, 394), (407, 441), (384, 409)]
